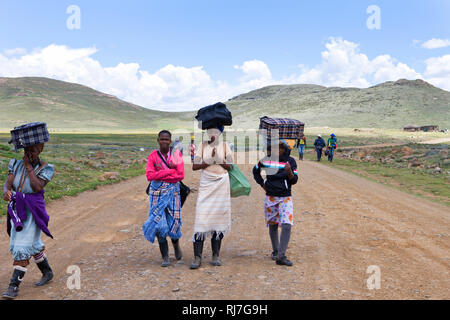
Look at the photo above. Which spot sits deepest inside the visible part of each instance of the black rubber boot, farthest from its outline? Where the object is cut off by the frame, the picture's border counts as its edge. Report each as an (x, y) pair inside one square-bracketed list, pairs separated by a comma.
[(274, 255), (164, 248), (198, 250), (215, 246), (176, 247), (13, 290), (47, 273), (283, 261)]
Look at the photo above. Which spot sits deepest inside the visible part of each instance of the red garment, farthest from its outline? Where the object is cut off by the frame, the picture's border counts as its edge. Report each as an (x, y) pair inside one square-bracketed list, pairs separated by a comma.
[(157, 170)]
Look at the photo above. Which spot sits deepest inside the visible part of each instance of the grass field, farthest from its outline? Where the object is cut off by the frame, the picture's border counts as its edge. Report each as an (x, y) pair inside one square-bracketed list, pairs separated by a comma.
[(413, 172), (80, 159), (348, 137)]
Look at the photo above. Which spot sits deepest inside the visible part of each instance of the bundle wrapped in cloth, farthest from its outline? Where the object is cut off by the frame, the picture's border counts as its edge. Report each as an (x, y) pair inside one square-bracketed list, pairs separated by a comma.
[(288, 129), (29, 134), (214, 116)]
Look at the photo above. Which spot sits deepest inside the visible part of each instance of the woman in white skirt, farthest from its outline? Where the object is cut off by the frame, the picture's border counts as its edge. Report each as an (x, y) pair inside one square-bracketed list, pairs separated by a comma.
[(213, 210)]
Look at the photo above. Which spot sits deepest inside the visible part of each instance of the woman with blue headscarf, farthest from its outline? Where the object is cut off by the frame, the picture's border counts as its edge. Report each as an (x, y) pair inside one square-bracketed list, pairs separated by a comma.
[(331, 146), (213, 209)]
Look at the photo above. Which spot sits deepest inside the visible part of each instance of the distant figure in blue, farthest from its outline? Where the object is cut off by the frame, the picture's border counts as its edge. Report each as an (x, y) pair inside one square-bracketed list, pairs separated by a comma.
[(319, 144), (331, 146)]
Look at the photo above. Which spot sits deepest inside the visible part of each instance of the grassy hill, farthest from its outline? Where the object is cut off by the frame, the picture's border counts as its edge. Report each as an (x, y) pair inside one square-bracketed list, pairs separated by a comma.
[(387, 105), (72, 107)]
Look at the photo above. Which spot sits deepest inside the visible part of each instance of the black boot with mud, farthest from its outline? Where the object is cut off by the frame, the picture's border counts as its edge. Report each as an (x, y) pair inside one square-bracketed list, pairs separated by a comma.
[(47, 273), (164, 248), (13, 290)]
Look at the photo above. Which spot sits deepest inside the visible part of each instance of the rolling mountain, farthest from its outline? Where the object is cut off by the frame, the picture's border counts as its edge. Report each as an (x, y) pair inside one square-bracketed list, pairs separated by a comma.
[(72, 107), (387, 105)]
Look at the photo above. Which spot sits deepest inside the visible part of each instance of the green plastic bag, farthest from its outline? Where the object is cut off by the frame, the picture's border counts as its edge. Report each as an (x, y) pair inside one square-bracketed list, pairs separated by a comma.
[(239, 185)]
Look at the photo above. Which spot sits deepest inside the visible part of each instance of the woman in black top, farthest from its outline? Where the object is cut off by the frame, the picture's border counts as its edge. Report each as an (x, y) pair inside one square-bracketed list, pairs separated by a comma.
[(278, 205)]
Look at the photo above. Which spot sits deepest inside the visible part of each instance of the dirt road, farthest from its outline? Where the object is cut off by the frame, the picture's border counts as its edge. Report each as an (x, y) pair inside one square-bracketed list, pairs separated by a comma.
[(343, 224)]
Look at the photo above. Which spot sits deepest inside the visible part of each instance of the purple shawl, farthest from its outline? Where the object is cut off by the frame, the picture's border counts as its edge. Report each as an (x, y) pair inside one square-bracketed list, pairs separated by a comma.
[(17, 211)]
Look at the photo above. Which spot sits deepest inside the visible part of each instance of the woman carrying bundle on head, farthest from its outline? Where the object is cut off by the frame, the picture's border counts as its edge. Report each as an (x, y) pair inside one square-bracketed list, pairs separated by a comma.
[(213, 209), (281, 174), (164, 171), (27, 216)]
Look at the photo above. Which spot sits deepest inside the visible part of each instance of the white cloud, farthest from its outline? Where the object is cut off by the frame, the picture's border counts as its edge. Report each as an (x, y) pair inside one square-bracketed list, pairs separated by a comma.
[(176, 88), (255, 69), (170, 88), (438, 71), (343, 65), (15, 51), (436, 43), (256, 75)]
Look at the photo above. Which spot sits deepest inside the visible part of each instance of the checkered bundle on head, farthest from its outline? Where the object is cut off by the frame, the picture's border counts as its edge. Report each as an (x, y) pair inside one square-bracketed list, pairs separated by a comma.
[(29, 134), (287, 128)]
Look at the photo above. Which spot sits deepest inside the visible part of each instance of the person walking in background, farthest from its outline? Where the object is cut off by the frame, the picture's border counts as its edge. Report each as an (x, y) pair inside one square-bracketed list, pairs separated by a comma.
[(319, 144), (232, 146), (177, 145), (301, 145), (192, 149), (27, 216), (331, 146), (278, 204), (164, 171), (213, 208)]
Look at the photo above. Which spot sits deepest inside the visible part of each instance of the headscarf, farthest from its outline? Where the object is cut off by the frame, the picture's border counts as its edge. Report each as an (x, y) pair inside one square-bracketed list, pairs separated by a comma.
[(289, 143)]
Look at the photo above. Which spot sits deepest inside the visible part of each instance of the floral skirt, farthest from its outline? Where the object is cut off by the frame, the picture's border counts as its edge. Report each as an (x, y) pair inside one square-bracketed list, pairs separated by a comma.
[(279, 210)]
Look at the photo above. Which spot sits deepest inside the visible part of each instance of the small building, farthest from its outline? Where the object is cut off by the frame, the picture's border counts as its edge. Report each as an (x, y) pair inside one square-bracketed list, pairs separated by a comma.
[(429, 128), (411, 128)]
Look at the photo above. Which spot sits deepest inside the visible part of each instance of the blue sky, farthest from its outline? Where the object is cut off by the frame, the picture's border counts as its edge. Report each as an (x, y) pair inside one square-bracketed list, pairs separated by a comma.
[(221, 36)]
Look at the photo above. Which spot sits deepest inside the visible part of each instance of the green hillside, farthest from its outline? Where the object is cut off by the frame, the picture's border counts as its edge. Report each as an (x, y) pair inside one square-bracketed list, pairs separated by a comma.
[(72, 107), (387, 105)]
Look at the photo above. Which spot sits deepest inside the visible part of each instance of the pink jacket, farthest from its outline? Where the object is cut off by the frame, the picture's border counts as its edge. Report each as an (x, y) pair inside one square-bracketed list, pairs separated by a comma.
[(157, 170)]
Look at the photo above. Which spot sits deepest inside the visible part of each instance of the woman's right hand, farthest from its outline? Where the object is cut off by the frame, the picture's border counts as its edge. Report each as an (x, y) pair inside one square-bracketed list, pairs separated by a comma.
[(7, 195)]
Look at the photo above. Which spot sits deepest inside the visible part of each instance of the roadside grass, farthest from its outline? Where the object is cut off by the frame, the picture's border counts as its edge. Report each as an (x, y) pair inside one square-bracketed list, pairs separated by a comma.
[(80, 159), (417, 181), (348, 137)]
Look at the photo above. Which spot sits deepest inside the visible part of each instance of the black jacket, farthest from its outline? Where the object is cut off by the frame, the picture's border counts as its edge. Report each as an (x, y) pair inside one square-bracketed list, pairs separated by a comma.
[(278, 184), (319, 143)]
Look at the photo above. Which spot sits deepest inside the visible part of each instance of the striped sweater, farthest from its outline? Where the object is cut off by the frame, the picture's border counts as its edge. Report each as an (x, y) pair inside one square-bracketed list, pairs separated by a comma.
[(277, 182)]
